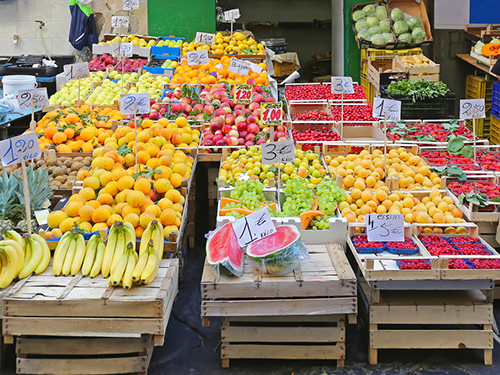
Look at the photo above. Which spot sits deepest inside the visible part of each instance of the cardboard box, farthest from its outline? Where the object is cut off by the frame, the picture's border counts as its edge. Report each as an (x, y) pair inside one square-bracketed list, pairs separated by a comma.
[(414, 9)]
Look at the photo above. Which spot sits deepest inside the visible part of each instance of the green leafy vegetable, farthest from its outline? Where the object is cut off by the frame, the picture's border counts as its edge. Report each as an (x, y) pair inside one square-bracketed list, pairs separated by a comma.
[(420, 90)]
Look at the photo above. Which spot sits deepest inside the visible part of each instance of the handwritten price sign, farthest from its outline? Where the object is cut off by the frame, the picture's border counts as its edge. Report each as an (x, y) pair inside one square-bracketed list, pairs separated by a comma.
[(122, 49), (231, 15), (197, 57), (75, 71), (472, 108), (243, 94), (342, 85), (10, 149), (204, 38), (271, 114), (119, 21), (255, 67), (130, 4), (391, 109), (239, 66), (33, 98), (254, 227), (278, 152), (385, 227), (135, 103)]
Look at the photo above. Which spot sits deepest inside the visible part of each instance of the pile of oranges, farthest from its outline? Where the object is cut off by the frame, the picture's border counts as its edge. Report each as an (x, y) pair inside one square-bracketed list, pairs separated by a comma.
[(215, 71), (73, 130)]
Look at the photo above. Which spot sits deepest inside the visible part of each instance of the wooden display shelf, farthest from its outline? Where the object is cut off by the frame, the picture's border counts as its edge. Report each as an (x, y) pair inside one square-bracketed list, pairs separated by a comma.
[(471, 60)]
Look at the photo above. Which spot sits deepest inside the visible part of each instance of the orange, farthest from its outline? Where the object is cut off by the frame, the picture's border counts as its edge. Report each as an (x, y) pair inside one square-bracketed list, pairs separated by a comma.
[(86, 212), (146, 218), (105, 178), (165, 203), (125, 182), (92, 182), (180, 169), (128, 209), (176, 180), (162, 172), (155, 210), (101, 215), (143, 185), (59, 138), (162, 185), (105, 198), (111, 188), (133, 219), (136, 198), (173, 195), (94, 203), (114, 218)]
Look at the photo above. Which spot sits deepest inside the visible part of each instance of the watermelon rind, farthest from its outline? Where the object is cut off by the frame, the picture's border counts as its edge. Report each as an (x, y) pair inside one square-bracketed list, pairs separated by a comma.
[(282, 260), (224, 266)]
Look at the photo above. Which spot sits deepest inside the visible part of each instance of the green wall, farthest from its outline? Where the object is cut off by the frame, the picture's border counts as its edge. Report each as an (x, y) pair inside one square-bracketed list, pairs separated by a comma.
[(181, 17), (352, 54)]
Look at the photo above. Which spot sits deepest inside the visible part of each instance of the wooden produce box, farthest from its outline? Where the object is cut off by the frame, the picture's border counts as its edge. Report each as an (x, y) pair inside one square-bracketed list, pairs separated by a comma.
[(428, 72), (382, 73), (46, 305), (361, 134)]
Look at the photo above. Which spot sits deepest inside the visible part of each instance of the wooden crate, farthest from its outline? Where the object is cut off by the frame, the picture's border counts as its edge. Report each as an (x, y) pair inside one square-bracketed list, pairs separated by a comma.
[(297, 337), (46, 305), (438, 319), (428, 72), (54, 355)]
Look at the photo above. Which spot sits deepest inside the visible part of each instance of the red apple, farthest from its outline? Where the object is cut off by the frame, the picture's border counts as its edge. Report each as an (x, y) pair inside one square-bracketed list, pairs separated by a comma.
[(239, 119), (242, 126), (253, 128), (229, 119), (226, 129)]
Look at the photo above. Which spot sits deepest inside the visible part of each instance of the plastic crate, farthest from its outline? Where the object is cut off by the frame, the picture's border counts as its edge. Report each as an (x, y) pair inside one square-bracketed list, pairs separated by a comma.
[(437, 108), (368, 89), (483, 125), (495, 130), (283, 69), (383, 54), (495, 99)]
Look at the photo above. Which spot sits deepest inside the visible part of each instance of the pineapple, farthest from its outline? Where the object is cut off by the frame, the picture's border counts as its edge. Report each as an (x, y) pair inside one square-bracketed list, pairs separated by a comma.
[(8, 200)]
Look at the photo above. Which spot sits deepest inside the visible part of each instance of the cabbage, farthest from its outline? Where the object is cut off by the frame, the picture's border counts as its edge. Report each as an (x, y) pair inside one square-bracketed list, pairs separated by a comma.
[(358, 15), (369, 10), (397, 15), (361, 25), (388, 38), (400, 27), (413, 22), (405, 38), (385, 25), (377, 39), (478, 46), (418, 35), (371, 21), (364, 34), (375, 30), (381, 13)]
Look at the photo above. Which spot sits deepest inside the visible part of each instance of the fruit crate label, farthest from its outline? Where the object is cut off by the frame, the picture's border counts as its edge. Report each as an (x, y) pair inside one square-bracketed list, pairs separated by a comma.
[(130, 4), (38, 98), (197, 57), (342, 84), (10, 149), (41, 216), (119, 21), (254, 227), (278, 152), (385, 227), (135, 103), (231, 15), (75, 71), (241, 67), (243, 94), (391, 109), (470, 108), (204, 38), (271, 114), (122, 49)]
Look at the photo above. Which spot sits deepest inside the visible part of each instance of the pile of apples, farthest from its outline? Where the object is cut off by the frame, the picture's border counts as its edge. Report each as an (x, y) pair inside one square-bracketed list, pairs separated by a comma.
[(107, 61)]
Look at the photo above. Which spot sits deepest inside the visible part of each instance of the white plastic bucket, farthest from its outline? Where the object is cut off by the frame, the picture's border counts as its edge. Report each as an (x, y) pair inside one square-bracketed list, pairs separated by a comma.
[(11, 84)]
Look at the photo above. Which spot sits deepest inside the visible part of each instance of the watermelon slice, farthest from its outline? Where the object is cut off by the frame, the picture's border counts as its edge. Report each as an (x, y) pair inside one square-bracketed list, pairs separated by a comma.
[(280, 252), (224, 254)]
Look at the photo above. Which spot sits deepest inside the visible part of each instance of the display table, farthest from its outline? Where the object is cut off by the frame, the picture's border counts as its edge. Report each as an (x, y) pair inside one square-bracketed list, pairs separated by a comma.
[(471, 60)]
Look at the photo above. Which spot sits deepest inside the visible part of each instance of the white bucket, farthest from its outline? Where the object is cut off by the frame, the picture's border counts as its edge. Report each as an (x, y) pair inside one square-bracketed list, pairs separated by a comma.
[(11, 84)]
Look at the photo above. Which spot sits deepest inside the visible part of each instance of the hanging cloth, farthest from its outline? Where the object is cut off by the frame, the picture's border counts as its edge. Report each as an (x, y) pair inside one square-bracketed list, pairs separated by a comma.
[(83, 31)]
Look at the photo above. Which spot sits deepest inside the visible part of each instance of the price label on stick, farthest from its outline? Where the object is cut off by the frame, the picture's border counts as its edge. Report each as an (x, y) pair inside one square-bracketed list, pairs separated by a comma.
[(385, 227), (342, 84), (243, 94), (75, 71), (231, 15), (239, 67), (38, 98), (391, 109), (135, 103), (130, 4), (278, 152), (470, 108), (255, 67), (119, 21), (254, 227), (204, 38), (121, 50), (10, 149), (197, 57), (271, 114)]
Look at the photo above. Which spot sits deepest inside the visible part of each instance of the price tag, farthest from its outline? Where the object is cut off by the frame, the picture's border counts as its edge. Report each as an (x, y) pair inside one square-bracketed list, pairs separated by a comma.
[(390, 108), (254, 227), (271, 114), (42, 216), (204, 38), (239, 66), (75, 71), (385, 227), (130, 4), (342, 84), (231, 15), (278, 152), (243, 94), (122, 49), (36, 97), (470, 108), (197, 57), (255, 67), (119, 21), (10, 149), (135, 103)]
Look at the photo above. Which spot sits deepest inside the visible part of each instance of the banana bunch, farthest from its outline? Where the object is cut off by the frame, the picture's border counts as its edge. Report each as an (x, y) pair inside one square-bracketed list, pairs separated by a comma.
[(93, 256), (69, 254), (150, 254), (120, 235), (36, 255), (122, 273)]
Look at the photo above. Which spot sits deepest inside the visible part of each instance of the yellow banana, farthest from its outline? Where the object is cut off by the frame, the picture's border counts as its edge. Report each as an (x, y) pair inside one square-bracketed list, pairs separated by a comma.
[(90, 255), (20, 252), (96, 267), (44, 263), (141, 263), (5, 269), (119, 250), (13, 235), (117, 274), (110, 250), (130, 234), (151, 268), (68, 261), (136, 256), (12, 265), (146, 236), (127, 276), (36, 258), (27, 247), (79, 255), (60, 253), (160, 241)]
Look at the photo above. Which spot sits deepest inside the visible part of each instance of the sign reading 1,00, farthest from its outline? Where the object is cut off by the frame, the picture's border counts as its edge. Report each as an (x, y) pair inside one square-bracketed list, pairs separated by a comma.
[(271, 114)]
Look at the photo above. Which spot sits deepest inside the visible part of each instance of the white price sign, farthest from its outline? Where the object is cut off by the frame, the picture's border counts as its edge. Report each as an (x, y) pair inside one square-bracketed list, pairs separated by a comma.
[(231, 15), (254, 227), (197, 57), (135, 103), (204, 38), (119, 21), (271, 114), (239, 66), (255, 67), (470, 108), (391, 109), (10, 149), (342, 85), (38, 98), (130, 4), (75, 71), (122, 50), (385, 227), (278, 152)]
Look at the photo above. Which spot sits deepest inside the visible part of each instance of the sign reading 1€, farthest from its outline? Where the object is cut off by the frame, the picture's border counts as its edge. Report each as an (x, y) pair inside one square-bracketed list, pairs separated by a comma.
[(271, 114)]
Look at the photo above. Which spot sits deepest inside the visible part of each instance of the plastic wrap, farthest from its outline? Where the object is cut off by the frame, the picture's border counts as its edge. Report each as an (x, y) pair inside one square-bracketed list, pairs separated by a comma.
[(224, 255)]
